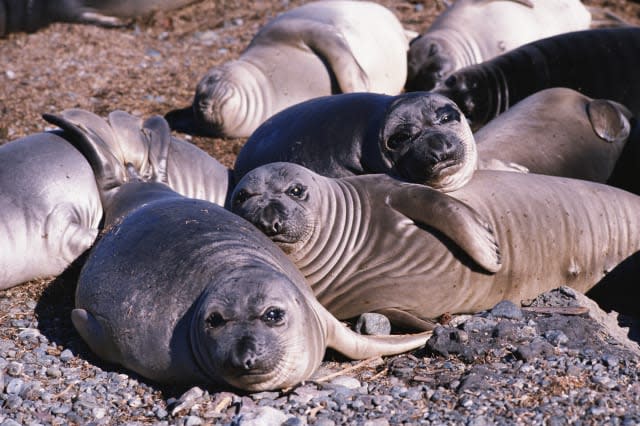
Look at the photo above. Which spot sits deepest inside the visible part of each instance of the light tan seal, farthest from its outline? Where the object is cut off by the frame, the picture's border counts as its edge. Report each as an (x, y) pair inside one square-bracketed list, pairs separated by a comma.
[(372, 243), (472, 31), (558, 132), (318, 49), (183, 291)]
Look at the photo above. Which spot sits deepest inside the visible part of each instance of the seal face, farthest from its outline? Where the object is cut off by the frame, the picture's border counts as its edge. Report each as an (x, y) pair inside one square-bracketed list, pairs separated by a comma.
[(427, 140)]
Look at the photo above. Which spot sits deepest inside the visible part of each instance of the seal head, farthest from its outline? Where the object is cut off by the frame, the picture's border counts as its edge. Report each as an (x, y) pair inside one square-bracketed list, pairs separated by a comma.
[(428, 141), (280, 203), (429, 61), (254, 330), (468, 89)]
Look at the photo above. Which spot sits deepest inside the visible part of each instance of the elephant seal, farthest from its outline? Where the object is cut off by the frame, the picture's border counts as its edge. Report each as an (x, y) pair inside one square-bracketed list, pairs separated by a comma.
[(420, 137), (598, 63), (50, 207), (368, 243), (31, 15), (182, 291), (557, 132), (473, 31), (318, 49)]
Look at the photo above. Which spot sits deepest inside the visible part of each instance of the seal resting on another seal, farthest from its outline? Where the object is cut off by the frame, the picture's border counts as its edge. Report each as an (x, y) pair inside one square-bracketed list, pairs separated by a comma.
[(598, 63), (50, 207), (318, 49), (31, 15), (182, 291), (557, 132), (369, 243), (420, 137), (473, 31)]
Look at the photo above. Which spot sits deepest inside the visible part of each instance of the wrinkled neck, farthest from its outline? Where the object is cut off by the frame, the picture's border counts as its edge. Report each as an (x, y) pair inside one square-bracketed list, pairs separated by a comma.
[(335, 233), (462, 51)]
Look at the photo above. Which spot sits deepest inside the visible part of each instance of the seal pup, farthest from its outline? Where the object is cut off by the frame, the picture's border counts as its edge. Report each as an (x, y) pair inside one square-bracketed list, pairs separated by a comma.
[(182, 291), (318, 49), (50, 207), (363, 244), (558, 132), (420, 137), (598, 63), (31, 15), (473, 31)]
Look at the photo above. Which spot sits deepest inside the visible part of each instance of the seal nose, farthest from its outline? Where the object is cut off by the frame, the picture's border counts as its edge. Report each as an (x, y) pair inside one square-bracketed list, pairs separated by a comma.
[(270, 220), (244, 355), (439, 147)]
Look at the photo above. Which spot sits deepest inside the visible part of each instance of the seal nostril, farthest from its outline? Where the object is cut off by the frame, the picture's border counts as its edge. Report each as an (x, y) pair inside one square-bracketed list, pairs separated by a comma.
[(277, 226)]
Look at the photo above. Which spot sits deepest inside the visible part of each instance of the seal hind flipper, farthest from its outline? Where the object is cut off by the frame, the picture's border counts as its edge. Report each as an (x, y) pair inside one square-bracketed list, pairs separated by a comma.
[(609, 122), (94, 334), (358, 346), (455, 219), (74, 239), (332, 46), (158, 134), (95, 142)]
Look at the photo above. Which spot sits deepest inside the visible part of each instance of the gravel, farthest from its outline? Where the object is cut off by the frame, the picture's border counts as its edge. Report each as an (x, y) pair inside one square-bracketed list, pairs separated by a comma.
[(509, 365)]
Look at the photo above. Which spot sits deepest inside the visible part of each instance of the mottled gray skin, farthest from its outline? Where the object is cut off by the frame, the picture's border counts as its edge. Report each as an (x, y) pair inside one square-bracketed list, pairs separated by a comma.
[(557, 132), (598, 63), (364, 245), (182, 291), (31, 15), (317, 49), (50, 207), (419, 137), (472, 31)]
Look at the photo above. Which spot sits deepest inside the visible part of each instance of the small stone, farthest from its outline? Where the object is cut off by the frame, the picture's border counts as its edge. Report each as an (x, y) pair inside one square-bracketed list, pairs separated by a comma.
[(347, 382), (507, 309), (29, 334), (556, 337), (610, 360), (263, 416), (161, 413), (53, 372), (193, 421), (14, 387), (15, 369), (373, 324), (10, 74), (66, 355)]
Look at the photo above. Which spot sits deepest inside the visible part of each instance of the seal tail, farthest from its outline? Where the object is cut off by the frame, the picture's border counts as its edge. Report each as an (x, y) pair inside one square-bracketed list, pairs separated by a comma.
[(123, 151)]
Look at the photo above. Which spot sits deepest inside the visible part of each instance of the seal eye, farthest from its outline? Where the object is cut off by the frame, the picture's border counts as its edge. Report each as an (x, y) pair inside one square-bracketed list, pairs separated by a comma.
[(240, 197), (447, 114), (273, 316), (215, 320), (397, 140), (451, 82), (296, 190)]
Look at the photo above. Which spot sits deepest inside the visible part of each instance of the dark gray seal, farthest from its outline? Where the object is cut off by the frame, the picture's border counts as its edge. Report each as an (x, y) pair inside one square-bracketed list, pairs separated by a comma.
[(420, 137), (598, 63), (369, 243), (182, 291)]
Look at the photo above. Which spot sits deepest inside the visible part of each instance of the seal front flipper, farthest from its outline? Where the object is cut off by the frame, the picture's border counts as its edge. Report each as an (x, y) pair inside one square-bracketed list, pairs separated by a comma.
[(609, 120), (95, 335), (331, 45), (456, 220)]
